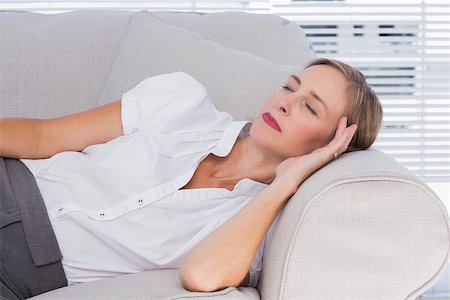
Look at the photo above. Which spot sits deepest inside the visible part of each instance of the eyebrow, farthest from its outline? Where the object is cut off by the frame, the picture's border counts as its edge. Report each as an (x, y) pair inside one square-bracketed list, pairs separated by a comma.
[(295, 78), (312, 93)]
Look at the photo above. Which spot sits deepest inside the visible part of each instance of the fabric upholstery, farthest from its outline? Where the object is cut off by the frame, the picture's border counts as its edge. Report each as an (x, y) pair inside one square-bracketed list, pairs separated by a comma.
[(160, 284), (248, 32), (56, 64), (371, 232), (237, 81)]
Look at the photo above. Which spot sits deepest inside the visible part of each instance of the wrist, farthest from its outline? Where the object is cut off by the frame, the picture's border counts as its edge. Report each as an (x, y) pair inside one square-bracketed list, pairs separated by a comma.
[(286, 187)]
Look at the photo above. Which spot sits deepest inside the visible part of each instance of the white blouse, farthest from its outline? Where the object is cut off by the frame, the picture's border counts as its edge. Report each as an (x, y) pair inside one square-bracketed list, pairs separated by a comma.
[(116, 207)]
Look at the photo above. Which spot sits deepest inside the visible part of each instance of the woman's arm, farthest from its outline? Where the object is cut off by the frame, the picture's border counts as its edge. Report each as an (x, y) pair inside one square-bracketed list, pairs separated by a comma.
[(19, 137), (43, 138), (223, 258)]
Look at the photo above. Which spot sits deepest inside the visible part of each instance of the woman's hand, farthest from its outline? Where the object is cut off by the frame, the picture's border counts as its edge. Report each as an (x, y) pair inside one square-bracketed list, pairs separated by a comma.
[(294, 170)]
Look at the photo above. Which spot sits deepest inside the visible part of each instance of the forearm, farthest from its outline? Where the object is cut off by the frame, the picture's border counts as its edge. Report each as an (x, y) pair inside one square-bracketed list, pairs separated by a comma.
[(224, 257), (19, 137)]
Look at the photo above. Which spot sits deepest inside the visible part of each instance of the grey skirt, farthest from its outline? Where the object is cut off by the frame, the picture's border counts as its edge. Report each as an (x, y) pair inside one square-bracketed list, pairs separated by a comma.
[(30, 258)]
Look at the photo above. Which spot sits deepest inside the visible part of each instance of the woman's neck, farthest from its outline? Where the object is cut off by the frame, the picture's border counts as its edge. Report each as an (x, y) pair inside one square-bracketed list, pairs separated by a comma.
[(245, 160)]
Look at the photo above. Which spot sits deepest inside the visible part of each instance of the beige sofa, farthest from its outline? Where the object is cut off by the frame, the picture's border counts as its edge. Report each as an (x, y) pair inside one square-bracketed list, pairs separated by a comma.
[(362, 227)]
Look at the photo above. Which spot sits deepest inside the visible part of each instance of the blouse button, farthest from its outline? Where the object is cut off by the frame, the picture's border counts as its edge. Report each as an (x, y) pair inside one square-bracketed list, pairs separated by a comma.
[(140, 202), (60, 209), (101, 214)]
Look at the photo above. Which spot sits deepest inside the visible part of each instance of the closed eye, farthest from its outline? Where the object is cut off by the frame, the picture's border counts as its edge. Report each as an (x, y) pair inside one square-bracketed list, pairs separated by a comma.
[(311, 110), (287, 88)]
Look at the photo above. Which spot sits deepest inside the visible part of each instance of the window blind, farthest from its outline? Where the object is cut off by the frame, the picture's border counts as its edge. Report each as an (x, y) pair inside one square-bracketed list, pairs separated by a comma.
[(403, 49), (401, 46)]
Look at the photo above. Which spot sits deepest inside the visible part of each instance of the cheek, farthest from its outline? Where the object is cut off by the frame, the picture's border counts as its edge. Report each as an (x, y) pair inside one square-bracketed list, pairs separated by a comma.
[(269, 105), (273, 98), (309, 137)]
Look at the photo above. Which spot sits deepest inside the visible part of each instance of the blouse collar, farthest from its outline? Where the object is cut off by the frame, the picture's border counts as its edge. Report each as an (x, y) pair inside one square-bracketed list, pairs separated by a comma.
[(234, 130), (229, 136)]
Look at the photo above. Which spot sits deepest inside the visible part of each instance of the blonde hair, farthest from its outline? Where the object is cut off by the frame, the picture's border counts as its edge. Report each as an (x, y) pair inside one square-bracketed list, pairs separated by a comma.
[(363, 106)]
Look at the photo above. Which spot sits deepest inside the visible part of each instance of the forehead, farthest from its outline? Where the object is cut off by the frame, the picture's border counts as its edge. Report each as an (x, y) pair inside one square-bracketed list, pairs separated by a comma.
[(328, 83), (325, 72)]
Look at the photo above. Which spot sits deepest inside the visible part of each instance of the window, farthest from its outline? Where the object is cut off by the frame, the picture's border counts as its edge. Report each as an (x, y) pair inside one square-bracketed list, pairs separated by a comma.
[(403, 49)]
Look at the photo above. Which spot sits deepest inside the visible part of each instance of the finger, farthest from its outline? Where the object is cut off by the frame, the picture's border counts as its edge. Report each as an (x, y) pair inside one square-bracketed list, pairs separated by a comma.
[(342, 124), (349, 133), (342, 138), (341, 143)]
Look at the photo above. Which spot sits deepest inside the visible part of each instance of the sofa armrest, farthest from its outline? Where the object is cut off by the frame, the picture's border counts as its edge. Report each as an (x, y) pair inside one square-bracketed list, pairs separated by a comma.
[(362, 227)]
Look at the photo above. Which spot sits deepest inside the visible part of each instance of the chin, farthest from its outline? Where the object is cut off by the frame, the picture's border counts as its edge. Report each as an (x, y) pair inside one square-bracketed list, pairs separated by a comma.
[(266, 141)]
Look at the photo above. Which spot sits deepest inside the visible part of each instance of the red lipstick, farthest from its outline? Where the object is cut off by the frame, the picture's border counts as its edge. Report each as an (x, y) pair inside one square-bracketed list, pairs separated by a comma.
[(267, 117)]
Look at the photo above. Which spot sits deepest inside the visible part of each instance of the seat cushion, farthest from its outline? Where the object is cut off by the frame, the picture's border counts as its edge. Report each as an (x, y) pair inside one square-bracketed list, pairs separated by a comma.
[(156, 284), (237, 81)]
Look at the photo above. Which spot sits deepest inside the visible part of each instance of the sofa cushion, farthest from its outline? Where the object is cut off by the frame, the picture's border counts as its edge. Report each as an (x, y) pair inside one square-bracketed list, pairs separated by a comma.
[(53, 65), (155, 284), (268, 36), (237, 81)]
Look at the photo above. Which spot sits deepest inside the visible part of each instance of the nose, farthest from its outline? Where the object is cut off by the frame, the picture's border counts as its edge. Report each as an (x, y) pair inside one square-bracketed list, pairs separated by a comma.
[(285, 105)]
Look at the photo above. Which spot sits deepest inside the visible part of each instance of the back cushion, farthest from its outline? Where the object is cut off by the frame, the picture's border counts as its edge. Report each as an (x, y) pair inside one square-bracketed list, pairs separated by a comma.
[(237, 81), (52, 65), (268, 36)]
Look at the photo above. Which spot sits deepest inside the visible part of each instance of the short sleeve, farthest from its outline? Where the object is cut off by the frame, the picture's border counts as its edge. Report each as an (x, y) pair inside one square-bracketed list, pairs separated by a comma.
[(163, 103)]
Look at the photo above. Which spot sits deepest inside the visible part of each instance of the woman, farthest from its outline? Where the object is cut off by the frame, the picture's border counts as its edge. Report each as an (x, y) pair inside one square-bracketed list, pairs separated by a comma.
[(167, 181)]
